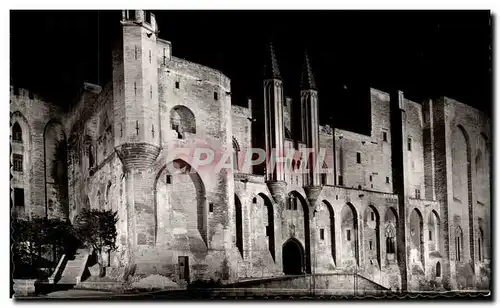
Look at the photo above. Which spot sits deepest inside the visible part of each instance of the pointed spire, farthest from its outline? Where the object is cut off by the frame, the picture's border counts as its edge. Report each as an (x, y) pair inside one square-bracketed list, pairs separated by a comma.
[(307, 81), (271, 69)]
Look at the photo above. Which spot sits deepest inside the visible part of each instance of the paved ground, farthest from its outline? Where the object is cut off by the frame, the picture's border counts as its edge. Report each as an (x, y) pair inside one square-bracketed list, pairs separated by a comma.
[(75, 293), (239, 294)]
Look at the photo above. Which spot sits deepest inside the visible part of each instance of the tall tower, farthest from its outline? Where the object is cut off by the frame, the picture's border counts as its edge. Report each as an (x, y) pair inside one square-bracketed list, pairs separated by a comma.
[(310, 124), (274, 127), (136, 124), (400, 177)]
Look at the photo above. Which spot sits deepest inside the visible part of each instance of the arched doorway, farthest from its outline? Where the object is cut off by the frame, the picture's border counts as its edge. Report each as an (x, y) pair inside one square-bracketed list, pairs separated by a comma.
[(293, 257)]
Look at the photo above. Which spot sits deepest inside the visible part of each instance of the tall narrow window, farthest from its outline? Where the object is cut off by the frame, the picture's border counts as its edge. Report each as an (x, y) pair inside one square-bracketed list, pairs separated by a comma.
[(409, 144), (216, 96), (18, 162), (341, 180), (236, 150), (372, 216), (177, 85), (479, 248), (358, 158), (417, 193), (387, 179), (164, 57), (211, 207), (17, 133), (438, 269), (371, 245), (384, 136), (322, 234), (169, 179), (391, 247), (91, 156), (348, 235), (18, 196), (323, 179), (430, 235)]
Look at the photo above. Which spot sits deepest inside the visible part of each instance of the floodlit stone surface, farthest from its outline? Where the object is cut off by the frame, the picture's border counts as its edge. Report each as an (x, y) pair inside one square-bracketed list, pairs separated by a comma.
[(407, 207)]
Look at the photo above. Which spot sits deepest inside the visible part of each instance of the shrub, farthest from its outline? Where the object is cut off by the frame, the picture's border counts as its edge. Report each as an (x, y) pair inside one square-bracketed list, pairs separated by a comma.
[(97, 229), (38, 244)]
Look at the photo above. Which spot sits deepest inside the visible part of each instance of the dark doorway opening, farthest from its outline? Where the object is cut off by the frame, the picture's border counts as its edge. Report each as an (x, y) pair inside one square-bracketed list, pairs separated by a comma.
[(184, 268), (293, 258)]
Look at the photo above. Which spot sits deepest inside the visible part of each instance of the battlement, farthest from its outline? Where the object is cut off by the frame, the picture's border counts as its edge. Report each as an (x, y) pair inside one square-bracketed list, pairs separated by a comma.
[(140, 17), (201, 72), (22, 93)]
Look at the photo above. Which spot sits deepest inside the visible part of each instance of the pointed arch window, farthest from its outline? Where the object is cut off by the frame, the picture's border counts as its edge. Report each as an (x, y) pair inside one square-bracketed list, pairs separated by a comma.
[(236, 150), (458, 244), (91, 156), (17, 133), (438, 269), (390, 239)]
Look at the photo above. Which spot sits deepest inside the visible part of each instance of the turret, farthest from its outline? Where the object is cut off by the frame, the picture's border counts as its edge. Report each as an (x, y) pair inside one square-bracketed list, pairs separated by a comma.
[(135, 83), (274, 127), (136, 124), (310, 123)]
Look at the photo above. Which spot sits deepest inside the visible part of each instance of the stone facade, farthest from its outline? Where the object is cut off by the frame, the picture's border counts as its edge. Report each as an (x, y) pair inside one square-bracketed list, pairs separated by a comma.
[(407, 206)]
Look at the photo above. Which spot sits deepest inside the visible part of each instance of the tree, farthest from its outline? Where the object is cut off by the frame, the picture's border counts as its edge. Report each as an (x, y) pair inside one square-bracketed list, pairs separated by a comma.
[(97, 228), (38, 244)]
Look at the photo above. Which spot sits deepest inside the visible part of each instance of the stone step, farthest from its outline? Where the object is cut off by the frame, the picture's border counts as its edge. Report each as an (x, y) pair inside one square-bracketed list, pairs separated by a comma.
[(74, 268)]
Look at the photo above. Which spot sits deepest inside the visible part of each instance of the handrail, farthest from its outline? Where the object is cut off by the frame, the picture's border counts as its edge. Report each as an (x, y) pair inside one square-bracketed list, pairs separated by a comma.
[(58, 271)]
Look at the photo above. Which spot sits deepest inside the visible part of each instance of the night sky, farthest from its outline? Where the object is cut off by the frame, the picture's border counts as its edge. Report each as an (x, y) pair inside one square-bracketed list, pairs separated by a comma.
[(424, 53)]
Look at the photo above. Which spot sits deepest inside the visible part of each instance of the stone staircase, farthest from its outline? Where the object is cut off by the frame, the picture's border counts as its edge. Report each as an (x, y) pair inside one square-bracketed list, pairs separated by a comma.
[(75, 268)]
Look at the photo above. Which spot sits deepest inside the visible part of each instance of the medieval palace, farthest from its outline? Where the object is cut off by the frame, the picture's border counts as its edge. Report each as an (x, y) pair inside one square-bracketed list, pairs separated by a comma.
[(405, 208)]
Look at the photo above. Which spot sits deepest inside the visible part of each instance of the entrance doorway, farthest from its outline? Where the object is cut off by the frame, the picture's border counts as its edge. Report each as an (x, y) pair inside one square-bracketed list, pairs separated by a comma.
[(183, 268), (293, 257)]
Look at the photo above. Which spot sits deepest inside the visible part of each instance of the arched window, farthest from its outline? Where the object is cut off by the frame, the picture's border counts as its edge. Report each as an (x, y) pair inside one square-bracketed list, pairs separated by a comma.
[(91, 156), (458, 243), (391, 223), (438, 269), (239, 224), (17, 133), (236, 150), (390, 239), (182, 121), (480, 243), (324, 178)]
